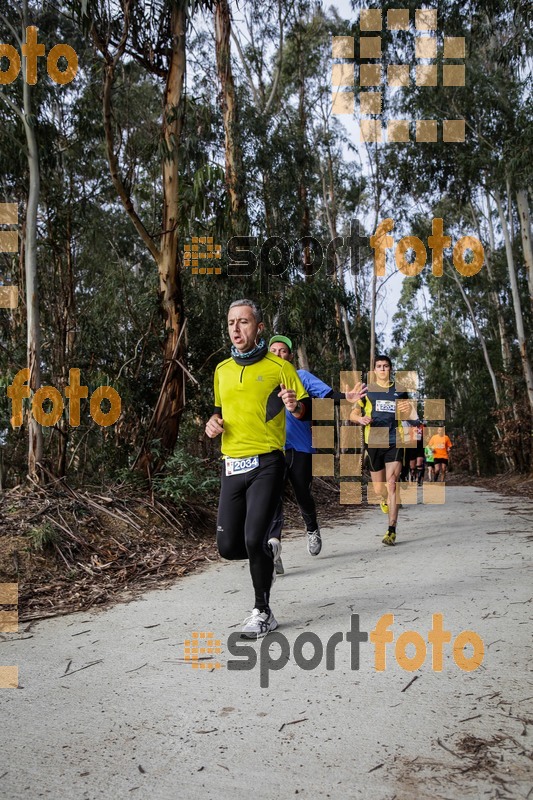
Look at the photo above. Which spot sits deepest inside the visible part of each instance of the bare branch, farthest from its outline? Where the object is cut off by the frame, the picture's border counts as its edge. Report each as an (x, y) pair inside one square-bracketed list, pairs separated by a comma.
[(246, 67), (109, 76), (278, 65), (13, 106), (12, 29)]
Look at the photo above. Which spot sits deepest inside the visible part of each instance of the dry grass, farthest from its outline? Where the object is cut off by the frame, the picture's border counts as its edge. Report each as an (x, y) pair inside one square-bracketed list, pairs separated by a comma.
[(70, 550)]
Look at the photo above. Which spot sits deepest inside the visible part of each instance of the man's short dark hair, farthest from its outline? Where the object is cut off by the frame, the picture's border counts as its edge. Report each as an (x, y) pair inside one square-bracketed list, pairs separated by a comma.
[(256, 310), (383, 358)]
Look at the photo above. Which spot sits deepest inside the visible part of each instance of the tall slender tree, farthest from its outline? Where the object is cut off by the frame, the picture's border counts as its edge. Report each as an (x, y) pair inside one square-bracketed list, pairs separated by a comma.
[(155, 35), (233, 149), (29, 244)]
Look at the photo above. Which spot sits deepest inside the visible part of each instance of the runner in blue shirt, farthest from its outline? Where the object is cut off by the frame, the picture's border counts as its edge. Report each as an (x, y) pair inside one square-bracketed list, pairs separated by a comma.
[(299, 450)]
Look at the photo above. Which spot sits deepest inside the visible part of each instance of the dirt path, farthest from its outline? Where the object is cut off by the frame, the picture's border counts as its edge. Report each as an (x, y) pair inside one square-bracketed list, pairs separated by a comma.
[(109, 708)]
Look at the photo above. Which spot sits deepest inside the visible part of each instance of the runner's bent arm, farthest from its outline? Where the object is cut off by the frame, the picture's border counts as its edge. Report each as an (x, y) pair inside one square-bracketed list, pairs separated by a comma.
[(293, 393), (215, 424), (356, 415)]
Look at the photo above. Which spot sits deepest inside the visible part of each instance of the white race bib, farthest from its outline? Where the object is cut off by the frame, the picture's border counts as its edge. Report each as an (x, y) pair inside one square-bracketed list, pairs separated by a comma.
[(238, 466), (389, 406)]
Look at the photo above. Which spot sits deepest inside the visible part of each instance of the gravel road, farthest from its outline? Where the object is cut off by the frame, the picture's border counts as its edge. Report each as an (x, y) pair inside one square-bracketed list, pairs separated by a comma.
[(108, 707)]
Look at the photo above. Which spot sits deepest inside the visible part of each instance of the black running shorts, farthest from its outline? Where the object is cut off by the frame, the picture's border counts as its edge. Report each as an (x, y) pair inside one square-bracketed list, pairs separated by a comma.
[(379, 456), (415, 452)]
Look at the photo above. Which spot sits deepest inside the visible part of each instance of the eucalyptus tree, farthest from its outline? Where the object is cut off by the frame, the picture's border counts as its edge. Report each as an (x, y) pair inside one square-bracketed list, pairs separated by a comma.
[(22, 107), (483, 182), (235, 172), (154, 35)]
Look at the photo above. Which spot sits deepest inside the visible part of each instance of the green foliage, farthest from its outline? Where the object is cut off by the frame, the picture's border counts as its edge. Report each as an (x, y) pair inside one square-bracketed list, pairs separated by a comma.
[(42, 537), (99, 287), (187, 478)]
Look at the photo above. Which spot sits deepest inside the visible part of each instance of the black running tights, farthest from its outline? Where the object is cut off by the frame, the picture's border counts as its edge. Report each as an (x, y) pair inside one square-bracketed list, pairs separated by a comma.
[(299, 470), (246, 508)]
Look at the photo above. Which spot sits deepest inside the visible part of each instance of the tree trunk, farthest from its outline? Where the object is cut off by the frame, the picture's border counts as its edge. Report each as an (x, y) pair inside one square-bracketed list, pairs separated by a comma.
[(164, 424), (228, 103), (347, 334), (480, 337), (264, 106), (67, 328), (35, 444), (525, 230), (172, 396), (303, 362), (303, 201), (469, 451), (373, 320), (526, 364), (270, 220), (376, 190), (504, 341), (340, 310)]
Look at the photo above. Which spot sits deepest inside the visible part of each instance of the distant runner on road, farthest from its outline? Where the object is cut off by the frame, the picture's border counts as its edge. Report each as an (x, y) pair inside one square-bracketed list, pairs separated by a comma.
[(430, 458), (299, 450), (441, 446), (379, 412), (252, 390), (416, 454)]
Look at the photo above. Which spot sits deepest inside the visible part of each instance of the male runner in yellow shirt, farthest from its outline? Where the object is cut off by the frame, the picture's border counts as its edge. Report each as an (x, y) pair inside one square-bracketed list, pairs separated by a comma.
[(252, 390)]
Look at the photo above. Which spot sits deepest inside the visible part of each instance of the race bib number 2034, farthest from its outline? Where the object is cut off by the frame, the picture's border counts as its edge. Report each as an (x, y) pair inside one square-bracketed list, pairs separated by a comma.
[(238, 466)]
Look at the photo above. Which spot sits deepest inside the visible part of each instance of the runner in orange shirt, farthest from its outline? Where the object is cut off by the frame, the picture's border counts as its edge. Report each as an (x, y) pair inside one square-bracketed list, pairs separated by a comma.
[(441, 446)]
